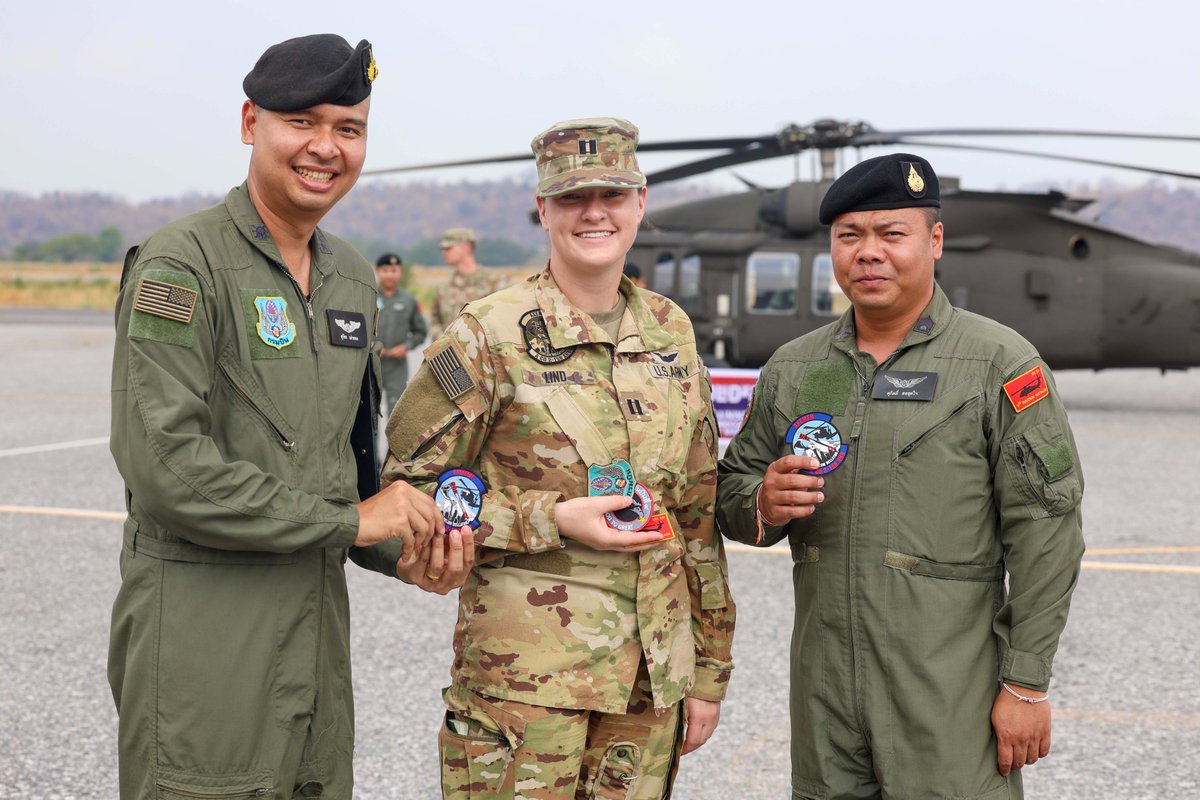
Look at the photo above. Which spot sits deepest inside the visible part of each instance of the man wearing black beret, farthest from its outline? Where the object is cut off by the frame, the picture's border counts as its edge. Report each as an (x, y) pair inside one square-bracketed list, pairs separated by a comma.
[(243, 423), (914, 456)]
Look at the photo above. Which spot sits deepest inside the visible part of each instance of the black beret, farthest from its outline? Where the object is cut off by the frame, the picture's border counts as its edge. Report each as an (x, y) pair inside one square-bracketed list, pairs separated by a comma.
[(389, 260), (899, 180), (310, 70)]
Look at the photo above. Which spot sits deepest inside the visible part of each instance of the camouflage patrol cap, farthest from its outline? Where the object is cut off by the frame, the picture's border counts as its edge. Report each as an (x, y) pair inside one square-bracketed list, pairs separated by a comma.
[(580, 153), (898, 180), (455, 235), (310, 70)]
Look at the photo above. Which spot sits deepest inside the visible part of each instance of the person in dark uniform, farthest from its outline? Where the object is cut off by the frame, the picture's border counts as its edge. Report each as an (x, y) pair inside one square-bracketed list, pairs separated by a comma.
[(402, 327), (914, 456)]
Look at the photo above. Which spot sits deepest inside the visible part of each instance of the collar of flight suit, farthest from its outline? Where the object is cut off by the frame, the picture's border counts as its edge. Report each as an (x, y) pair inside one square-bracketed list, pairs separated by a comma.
[(568, 326), (934, 319), (251, 226)]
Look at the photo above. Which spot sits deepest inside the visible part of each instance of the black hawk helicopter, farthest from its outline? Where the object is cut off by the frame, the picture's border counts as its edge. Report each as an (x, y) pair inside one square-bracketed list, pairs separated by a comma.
[(753, 269)]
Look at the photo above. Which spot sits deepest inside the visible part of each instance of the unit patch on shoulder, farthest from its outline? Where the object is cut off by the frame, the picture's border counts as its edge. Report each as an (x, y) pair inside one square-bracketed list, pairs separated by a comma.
[(1026, 389), (166, 300), (448, 368), (537, 340)]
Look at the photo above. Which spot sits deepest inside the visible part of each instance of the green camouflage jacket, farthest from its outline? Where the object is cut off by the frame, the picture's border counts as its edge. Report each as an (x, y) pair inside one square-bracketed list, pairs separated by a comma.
[(525, 390), (455, 293)]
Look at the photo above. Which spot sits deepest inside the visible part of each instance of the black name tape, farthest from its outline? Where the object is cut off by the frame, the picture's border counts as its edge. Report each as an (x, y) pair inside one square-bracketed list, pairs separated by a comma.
[(904, 386)]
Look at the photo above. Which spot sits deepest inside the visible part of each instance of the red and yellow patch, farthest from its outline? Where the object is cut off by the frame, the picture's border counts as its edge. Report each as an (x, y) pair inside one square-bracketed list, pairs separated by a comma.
[(1026, 389), (660, 523)]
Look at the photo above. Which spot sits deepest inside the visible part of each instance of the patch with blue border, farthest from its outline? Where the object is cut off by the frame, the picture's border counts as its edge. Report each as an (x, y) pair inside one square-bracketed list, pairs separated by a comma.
[(459, 496), (815, 435)]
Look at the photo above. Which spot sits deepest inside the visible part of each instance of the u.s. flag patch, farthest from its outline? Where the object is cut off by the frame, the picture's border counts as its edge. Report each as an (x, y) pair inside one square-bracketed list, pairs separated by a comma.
[(165, 300), (1026, 389)]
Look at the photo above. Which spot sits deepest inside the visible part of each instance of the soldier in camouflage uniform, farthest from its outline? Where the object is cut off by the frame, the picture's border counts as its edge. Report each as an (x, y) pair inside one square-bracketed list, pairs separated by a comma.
[(587, 659), (469, 282)]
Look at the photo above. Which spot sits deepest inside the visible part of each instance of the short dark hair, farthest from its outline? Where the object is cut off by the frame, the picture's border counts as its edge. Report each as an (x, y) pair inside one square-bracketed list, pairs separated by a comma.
[(932, 216)]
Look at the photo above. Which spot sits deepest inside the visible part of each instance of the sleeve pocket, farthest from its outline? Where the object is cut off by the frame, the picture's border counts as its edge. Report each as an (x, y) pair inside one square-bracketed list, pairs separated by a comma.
[(1043, 462), (712, 585)]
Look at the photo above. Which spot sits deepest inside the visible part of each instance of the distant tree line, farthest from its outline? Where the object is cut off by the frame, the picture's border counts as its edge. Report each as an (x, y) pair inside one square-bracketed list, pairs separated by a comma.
[(489, 251), (106, 246)]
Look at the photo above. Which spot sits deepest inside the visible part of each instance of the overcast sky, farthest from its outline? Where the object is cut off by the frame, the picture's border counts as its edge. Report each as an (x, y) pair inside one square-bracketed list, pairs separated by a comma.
[(141, 99)]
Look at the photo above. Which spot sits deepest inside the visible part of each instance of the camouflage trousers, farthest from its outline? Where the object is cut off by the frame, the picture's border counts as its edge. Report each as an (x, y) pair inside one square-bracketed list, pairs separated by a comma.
[(502, 749)]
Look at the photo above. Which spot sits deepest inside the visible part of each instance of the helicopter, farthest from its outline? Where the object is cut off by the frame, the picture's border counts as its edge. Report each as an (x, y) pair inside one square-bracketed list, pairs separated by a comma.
[(753, 269)]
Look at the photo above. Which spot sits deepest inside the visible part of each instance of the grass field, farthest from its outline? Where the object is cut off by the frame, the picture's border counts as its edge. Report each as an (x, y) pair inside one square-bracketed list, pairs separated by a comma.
[(35, 284)]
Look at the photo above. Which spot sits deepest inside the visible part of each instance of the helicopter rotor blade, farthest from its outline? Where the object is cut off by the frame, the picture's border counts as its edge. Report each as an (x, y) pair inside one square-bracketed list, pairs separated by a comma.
[(1053, 157), (469, 162), (868, 138), (733, 159)]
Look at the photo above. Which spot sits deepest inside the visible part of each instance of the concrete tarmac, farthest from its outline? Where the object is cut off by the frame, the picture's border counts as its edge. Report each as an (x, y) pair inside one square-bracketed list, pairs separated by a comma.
[(1126, 691)]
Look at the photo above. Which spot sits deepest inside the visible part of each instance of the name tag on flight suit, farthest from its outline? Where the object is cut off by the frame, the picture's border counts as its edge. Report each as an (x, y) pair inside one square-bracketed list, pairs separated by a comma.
[(347, 328), (904, 386)]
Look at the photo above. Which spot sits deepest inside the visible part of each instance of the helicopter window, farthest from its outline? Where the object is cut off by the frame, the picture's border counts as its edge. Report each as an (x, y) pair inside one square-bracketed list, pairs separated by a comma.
[(664, 274), (827, 297), (688, 296), (772, 281)]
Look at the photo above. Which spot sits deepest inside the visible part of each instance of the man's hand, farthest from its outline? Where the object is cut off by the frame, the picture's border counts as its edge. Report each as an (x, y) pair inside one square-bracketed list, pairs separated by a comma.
[(441, 566), (582, 519), (1022, 729), (786, 494), (396, 351), (702, 719), (398, 511)]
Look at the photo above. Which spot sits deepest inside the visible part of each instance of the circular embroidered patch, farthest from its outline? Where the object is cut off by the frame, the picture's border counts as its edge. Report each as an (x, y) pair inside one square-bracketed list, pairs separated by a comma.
[(537, 340), (635, 516), (815, 435), (459, 497)]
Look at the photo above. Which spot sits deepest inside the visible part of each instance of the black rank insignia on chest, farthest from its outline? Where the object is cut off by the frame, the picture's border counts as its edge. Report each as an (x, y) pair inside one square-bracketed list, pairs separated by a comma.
[(904, 386), (347, 328), (537, 340)]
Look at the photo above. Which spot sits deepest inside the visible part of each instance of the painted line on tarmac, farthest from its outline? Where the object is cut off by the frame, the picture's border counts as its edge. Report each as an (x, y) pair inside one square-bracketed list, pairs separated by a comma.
[(79, 513), (1100, 565), (1131, 551), (46, 448), (1162, 718)]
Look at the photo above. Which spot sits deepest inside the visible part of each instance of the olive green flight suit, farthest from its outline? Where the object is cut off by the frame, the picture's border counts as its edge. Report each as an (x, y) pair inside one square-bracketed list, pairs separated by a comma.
[(229, 655), (904, 626), (400, 322)]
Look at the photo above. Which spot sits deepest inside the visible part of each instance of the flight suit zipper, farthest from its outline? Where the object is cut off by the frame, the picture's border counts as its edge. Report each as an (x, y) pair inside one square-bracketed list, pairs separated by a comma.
[(217, 794), (284, 442)]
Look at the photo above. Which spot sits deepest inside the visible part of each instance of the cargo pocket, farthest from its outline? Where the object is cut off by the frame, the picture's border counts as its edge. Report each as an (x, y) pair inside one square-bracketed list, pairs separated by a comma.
[(1047, 475), (184, 786), (475, 763), (618, 771)]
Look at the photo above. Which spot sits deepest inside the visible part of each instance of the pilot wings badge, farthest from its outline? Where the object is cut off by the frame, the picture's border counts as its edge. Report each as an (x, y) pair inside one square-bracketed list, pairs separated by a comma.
[(348, 327), (918, 386), (901, 383)]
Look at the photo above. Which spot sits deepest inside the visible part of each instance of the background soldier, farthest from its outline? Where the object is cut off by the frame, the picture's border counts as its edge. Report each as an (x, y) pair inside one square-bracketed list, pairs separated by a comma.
[(243, 425), (914, 672), (468, 282), (577, 644), (402, 326)]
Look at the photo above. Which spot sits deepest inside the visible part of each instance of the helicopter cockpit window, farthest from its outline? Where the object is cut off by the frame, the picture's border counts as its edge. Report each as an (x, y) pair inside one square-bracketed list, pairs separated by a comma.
[(772, 282), (827, 297), (688, 295), (663, 280)]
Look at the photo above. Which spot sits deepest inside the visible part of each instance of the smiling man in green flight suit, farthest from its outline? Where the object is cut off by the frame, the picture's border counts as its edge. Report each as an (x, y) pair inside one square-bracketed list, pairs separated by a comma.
[(243, 411), (913, 455)]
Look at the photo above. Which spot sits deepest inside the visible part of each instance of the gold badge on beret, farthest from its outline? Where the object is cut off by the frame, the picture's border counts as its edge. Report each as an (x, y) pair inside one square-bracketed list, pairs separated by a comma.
[(916, 184), (372, 69)]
